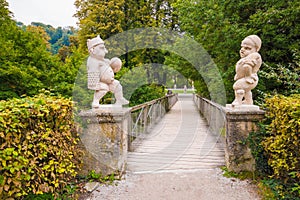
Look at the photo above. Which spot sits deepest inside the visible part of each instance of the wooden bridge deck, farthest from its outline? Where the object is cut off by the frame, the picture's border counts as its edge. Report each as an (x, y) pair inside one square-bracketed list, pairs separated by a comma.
[(180, 141)]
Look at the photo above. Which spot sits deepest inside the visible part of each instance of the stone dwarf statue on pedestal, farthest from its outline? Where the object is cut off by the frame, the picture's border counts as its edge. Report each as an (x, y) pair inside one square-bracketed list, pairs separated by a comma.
[(101, 73), (246, 69)]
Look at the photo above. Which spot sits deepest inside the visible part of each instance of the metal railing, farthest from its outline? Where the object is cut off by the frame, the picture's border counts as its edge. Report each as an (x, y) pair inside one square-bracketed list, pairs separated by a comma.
[(145, 115), (213, 113)]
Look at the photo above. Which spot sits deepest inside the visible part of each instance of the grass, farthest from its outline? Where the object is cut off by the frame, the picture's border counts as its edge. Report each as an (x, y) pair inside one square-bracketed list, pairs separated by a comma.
[(242, 175), (74, 190), (181, 91)]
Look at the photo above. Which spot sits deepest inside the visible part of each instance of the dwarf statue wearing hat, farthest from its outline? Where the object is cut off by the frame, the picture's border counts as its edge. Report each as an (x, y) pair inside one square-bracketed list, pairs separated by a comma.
[(101, 72), (246, 69)]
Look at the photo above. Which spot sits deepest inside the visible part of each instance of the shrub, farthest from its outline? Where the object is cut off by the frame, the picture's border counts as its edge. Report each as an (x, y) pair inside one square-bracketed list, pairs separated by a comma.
[(276, 147), (147, 93), (283, 143), (38, 145)]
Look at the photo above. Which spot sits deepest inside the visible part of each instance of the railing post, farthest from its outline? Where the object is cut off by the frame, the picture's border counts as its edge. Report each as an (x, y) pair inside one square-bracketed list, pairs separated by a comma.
[(145, 119)]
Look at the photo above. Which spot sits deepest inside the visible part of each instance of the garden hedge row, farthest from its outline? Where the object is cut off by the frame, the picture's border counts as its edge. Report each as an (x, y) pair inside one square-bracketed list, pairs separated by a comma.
[(38, 145), (283, 142), (276, 147)]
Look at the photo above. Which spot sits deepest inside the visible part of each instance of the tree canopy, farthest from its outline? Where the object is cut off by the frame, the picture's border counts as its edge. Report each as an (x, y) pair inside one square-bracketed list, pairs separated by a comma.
[(39, 56), (27, 64), (220, 26)]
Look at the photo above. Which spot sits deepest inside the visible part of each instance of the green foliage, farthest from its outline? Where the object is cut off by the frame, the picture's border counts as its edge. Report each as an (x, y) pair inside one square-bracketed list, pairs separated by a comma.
[(275, 189), (26, 63), (109, 18), (281, 79), (146, 93), (242, 175), (276, 146), (58, 37), (46, 196), (38, 152), (261, 158), (93, 176), (220, 26), (282, 144)]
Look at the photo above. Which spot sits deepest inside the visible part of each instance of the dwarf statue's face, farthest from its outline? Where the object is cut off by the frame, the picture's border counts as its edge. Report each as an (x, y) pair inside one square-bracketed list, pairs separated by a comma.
[(100, 51), (247, 47)]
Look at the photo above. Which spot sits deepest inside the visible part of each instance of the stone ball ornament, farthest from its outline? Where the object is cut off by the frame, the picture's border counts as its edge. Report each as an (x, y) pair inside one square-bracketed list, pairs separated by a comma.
[(107, 76), (116, 64)]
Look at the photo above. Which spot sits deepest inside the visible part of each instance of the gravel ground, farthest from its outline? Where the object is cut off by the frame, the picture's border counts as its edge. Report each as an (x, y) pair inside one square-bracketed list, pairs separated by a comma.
[(178, 185)]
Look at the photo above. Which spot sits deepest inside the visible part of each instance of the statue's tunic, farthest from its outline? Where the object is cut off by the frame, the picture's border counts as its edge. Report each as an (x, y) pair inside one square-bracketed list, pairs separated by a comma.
[(100, 74)]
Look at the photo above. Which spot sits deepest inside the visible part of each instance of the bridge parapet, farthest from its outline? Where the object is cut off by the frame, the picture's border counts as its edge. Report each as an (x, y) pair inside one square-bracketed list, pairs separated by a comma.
[(235, 125)]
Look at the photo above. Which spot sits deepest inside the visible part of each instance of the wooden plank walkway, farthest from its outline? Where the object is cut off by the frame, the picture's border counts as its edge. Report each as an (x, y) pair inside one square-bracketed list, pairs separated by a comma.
[(180, 141)]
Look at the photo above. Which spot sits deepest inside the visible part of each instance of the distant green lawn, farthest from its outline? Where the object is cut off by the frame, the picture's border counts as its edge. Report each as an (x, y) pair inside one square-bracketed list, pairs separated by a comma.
[(181, 91)]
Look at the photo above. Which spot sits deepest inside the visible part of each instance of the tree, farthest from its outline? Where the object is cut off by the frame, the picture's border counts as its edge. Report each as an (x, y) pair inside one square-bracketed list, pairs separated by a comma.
[(58, 37), (220, 26), (109, 18), (26, 63)]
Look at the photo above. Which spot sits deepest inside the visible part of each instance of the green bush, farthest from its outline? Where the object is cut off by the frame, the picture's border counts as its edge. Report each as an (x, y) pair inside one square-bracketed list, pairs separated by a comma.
[(38, 145), (283, 143), (147, 93), (276, 147)]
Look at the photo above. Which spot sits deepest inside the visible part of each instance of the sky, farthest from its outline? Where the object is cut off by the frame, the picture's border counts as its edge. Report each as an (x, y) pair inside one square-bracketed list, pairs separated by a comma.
[(53, 12)]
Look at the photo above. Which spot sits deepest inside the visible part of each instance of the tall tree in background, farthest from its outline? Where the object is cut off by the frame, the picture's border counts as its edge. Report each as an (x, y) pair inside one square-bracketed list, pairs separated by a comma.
[(24, 58), (220, 26), (26, 63), (107, 18)]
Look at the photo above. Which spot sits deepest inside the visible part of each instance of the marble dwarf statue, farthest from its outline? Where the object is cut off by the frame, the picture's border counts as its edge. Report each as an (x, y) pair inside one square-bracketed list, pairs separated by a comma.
[(246, 69), (101, 72)]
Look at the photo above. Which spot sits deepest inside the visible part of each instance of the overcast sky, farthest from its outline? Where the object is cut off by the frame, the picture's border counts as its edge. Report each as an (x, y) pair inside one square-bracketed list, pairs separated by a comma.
[(53, 12)]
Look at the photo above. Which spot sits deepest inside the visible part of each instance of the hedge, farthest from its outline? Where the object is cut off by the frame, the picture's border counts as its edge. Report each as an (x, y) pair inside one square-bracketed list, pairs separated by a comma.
[(283, 143), (38, 145), (276, 147)]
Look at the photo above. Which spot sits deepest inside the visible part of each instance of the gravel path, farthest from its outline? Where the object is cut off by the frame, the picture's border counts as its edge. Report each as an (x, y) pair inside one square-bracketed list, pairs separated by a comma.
[(181, 185)]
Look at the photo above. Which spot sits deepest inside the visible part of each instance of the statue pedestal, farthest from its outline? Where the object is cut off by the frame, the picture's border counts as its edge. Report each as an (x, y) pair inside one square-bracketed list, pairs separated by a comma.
[(240, 122), (242, 107), (104, 137)]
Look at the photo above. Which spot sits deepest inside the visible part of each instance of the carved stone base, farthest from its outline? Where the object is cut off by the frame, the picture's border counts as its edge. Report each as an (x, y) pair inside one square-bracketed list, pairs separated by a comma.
[(243, 107), (104, 138), (240, 122)]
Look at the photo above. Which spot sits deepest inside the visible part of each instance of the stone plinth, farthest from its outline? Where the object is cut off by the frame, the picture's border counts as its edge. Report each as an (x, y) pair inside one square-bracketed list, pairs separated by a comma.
[(104, 138), (240, 122)]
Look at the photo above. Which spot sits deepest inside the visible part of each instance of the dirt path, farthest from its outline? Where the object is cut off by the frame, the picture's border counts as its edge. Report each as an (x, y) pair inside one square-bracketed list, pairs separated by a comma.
[(189, 185)]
